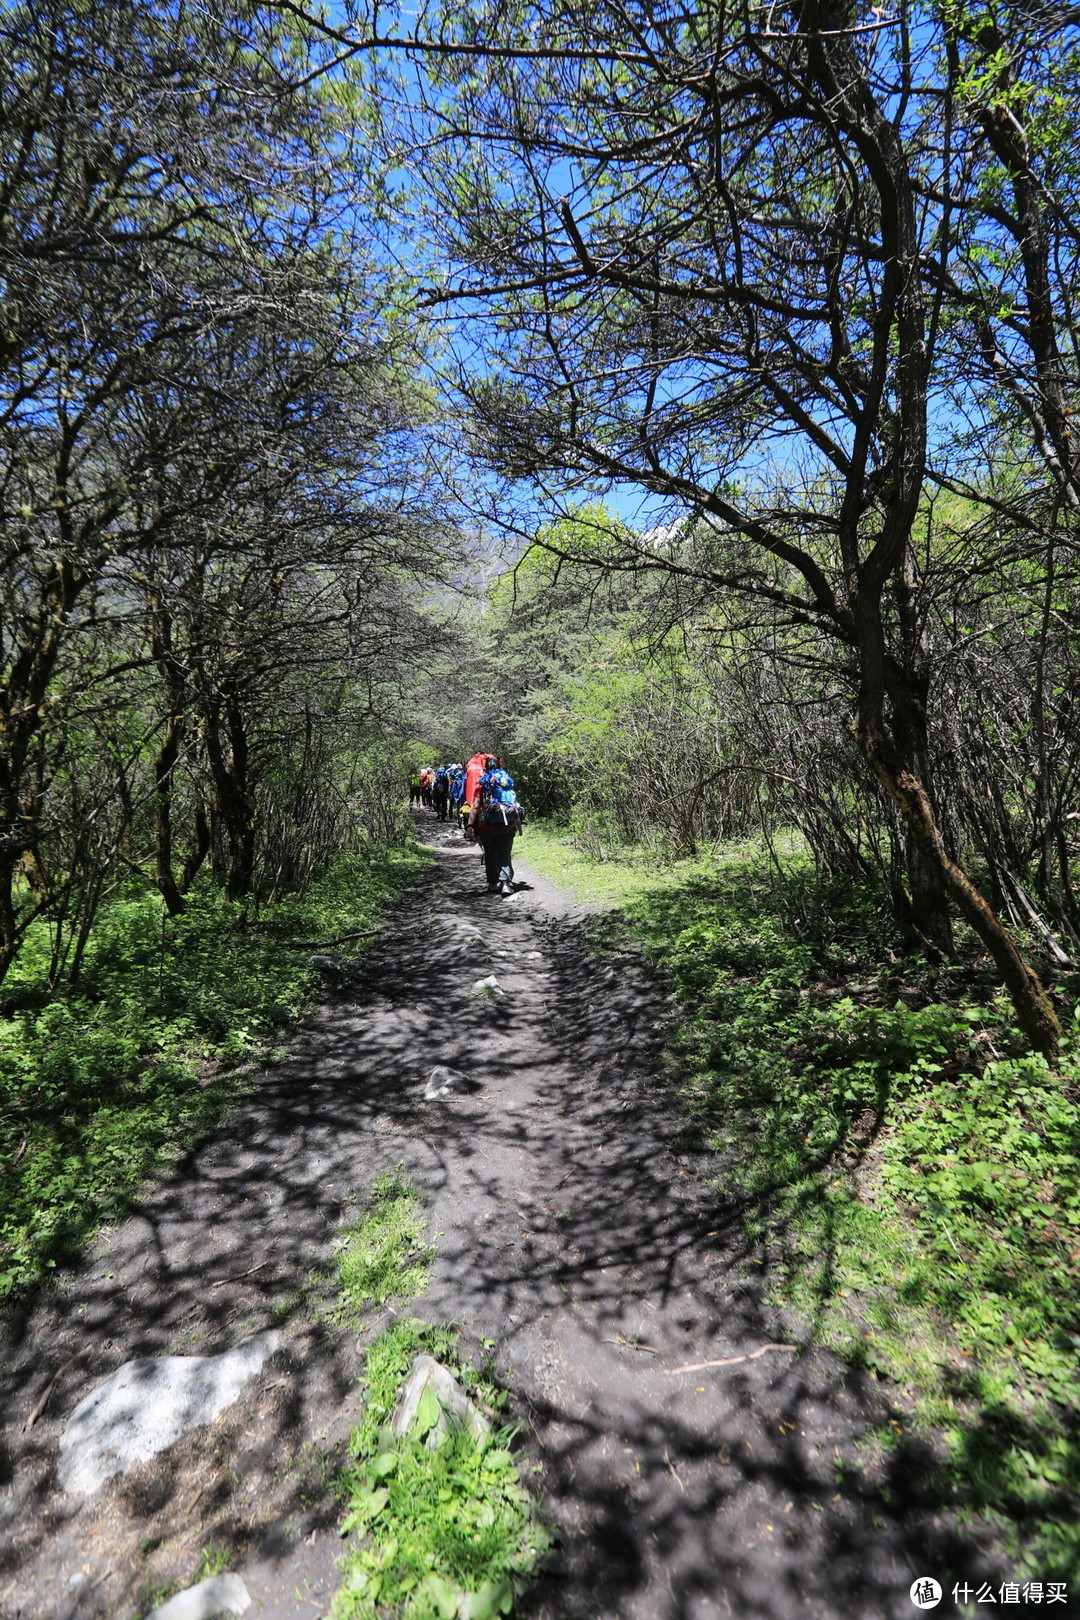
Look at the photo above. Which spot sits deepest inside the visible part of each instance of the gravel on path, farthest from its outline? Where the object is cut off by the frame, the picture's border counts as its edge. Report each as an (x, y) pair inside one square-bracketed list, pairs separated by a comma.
[(698, 1459)]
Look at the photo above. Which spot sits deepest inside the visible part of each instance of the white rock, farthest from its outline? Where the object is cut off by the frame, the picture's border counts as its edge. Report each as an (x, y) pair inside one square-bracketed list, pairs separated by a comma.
[(219, 1594), (148, 1404), (442, 1080), (428, 1373), (490, 983)]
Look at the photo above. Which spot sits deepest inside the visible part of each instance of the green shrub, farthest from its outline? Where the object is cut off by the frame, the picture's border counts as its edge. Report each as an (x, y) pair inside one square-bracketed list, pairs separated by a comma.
[(441, 1531)]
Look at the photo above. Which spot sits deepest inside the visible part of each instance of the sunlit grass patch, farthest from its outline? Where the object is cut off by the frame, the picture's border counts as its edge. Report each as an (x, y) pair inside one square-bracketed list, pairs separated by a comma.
[(383, 1253), (550, 851)]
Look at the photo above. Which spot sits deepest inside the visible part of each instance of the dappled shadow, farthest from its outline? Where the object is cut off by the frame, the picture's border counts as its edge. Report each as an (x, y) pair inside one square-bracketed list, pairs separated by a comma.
[(578, 1237)]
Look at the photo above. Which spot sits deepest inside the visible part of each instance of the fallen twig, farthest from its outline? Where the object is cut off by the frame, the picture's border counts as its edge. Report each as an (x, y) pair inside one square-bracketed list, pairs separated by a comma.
[(16, 1156), (638, 1344), (729, 1361), (328, 944), (223, 1280), (43, 1398)]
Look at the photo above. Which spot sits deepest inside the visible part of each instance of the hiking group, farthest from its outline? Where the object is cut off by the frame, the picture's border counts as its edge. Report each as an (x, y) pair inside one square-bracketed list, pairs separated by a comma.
[(480, 797)]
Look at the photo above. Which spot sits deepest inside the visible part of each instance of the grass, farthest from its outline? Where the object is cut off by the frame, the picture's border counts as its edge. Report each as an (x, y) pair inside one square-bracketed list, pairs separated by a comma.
[(103, 1086), (550, 852), (911, 1175), (436, 1531), (383, 1254)]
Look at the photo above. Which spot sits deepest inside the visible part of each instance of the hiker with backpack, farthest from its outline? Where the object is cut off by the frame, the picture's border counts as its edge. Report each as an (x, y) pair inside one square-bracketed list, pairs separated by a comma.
[(440, 792), (457, 792), (496, 821)]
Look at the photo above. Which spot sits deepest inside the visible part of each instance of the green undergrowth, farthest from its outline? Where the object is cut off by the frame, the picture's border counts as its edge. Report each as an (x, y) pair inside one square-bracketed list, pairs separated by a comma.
[(437, 1531), (910, 1176), (104, 1084), (383, 1254)]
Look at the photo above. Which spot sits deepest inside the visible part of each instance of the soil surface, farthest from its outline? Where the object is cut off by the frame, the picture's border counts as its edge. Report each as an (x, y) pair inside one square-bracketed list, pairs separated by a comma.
[(698, 1457)]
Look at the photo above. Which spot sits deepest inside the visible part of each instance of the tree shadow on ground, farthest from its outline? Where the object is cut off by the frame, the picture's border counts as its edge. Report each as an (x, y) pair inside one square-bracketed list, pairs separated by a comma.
[(575, 1233)]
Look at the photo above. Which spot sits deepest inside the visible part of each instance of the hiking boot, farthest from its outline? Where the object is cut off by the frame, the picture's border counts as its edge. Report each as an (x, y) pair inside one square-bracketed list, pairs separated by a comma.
[(506, 890), (493, 888)]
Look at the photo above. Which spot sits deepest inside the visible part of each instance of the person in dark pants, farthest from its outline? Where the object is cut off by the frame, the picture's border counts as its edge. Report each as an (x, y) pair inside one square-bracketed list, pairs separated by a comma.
[(496, 819), (497, 844), (440, 793)]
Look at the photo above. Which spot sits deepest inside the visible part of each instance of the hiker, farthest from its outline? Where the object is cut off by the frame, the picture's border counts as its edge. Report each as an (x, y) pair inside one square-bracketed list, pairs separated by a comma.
[(457, 792), (414, 789), (496, 821), (440, 792), (474, 770), (427, 776)]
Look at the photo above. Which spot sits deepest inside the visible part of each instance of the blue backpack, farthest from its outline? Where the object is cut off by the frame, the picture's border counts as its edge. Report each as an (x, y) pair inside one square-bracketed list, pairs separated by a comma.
[(499, 803)]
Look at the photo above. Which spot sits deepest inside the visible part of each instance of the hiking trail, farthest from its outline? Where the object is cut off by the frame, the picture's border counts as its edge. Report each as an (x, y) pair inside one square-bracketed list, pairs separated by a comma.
[(697, 1458)]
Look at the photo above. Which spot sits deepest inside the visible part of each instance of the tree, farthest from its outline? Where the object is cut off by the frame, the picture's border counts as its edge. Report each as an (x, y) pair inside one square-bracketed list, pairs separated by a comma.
[(700, 252), (195, 384)]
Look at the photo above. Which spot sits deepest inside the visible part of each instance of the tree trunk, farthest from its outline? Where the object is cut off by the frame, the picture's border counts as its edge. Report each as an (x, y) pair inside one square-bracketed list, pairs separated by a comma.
[(907, 681), (927, 888), (198, 852), (235, 812), (929, 900), (1034, 1010), (174, 677), (22, 702), (163, 843), (9, 932)]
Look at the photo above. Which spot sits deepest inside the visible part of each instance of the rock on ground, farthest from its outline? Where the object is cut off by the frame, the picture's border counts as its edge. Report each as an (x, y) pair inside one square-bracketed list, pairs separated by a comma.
[(218, 1594), (148, 1404), (490, 983), (443, 1080), (427, 1373)]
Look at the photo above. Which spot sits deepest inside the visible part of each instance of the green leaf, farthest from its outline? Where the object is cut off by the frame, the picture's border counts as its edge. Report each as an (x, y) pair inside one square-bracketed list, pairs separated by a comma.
[(443, 1594), (494, 1598), (428, 1412), (367, 1505)]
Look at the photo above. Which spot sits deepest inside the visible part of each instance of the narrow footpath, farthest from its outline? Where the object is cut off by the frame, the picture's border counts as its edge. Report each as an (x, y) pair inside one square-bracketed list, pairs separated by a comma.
[(698, 1460)]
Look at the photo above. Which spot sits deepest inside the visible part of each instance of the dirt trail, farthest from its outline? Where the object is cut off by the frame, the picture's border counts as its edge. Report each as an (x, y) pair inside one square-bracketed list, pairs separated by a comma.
[(573, 1233)]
